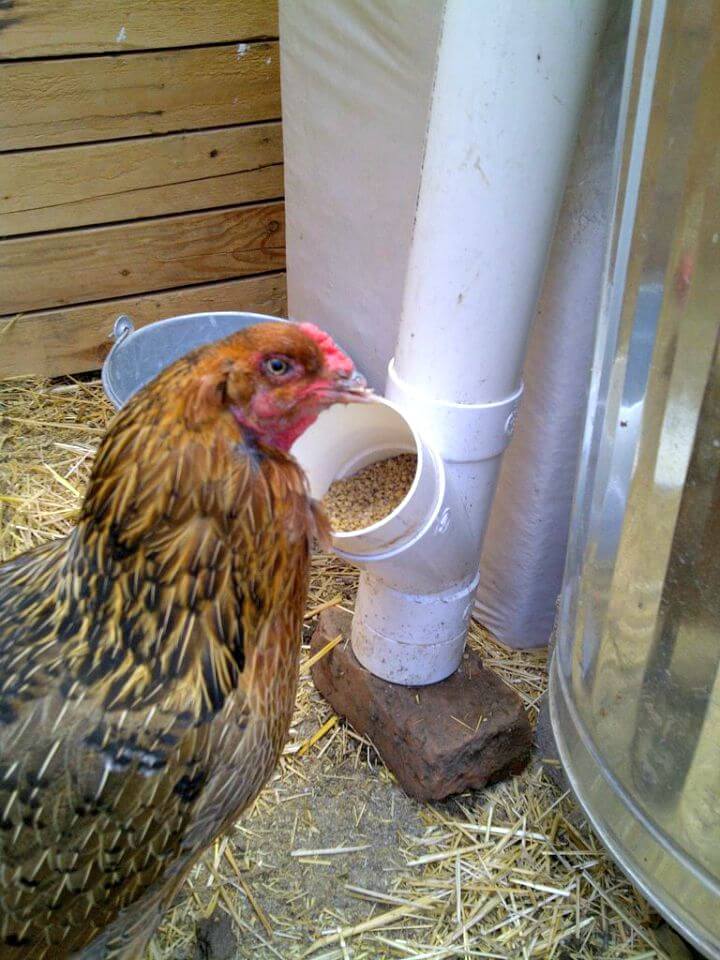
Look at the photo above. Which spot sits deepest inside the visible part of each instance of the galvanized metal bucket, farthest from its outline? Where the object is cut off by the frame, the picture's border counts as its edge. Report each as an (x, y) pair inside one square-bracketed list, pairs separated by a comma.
[(137, 356)]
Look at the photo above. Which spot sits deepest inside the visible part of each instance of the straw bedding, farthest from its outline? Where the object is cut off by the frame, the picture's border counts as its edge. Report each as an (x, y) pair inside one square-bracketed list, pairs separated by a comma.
[(334, 861)]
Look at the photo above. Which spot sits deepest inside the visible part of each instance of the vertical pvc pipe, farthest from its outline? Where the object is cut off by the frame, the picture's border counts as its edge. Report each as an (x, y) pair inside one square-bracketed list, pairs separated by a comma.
[(509, 88)]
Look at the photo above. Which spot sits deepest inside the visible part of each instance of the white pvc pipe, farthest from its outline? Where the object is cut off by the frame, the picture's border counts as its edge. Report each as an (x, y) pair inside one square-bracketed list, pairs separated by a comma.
[(509, 87)]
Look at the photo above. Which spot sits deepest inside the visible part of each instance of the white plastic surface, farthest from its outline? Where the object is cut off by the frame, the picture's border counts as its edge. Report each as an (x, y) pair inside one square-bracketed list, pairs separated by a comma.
[(412, 639)]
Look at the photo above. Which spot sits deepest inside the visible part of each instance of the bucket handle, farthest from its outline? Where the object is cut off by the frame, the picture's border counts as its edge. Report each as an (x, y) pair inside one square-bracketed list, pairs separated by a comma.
[(122, 328)]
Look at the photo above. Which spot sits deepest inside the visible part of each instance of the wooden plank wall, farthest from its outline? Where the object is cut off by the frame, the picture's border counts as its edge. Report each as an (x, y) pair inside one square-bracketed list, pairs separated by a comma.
[(140, 170)]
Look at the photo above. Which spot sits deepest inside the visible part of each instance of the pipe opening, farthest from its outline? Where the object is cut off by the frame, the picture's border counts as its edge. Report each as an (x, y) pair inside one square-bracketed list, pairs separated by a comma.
[(347, 439)]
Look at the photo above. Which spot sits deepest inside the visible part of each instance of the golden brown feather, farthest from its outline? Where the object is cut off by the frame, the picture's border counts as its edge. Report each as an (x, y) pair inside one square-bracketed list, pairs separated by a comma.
[(148, 662)]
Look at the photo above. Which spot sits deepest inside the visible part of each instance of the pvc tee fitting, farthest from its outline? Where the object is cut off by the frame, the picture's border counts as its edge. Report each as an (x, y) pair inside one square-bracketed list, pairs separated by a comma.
[(419, 563)]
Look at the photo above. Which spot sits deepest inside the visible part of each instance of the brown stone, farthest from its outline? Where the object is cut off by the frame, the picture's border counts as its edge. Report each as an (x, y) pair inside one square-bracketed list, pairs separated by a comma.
[(462, 733)]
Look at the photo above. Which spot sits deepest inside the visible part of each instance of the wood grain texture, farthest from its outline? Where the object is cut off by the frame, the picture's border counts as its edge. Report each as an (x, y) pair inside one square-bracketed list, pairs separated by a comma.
[(70, 340), (145, 177), (80, 266), (81, 99), (42, 28)]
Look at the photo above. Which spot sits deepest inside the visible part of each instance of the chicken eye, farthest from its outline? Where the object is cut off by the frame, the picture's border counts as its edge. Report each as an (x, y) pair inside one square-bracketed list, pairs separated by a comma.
[(277, 366)]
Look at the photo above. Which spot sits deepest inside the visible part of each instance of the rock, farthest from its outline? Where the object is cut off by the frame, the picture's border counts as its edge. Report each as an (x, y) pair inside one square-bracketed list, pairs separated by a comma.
[(462, 733), (215, 938)]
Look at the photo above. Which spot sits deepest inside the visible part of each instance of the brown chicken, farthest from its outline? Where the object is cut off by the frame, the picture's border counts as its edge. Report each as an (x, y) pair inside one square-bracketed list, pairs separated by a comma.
[(149, 661)]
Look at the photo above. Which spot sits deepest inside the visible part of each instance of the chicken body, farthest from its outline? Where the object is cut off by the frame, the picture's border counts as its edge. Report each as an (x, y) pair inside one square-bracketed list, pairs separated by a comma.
[(148, 667)]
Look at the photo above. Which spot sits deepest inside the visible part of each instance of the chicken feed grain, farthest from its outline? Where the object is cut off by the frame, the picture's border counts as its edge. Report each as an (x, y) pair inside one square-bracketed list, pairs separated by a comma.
[(371, 494)]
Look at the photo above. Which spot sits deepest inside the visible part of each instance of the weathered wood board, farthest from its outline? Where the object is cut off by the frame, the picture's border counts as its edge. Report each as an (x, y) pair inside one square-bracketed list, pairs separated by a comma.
[(81, 99), (48, 28), (76, 338), (142, 177), (79, 266)]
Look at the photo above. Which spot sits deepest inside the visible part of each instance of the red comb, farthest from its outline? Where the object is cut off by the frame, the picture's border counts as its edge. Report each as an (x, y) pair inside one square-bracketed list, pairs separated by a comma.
[(335, 359)]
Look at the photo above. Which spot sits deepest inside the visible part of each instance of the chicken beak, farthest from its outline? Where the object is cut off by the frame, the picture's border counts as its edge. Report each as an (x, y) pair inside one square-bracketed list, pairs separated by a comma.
[(353, 388)]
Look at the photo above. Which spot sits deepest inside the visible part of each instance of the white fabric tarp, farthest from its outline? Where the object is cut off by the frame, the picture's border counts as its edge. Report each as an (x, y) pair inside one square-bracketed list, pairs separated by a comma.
[(356, 79)]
